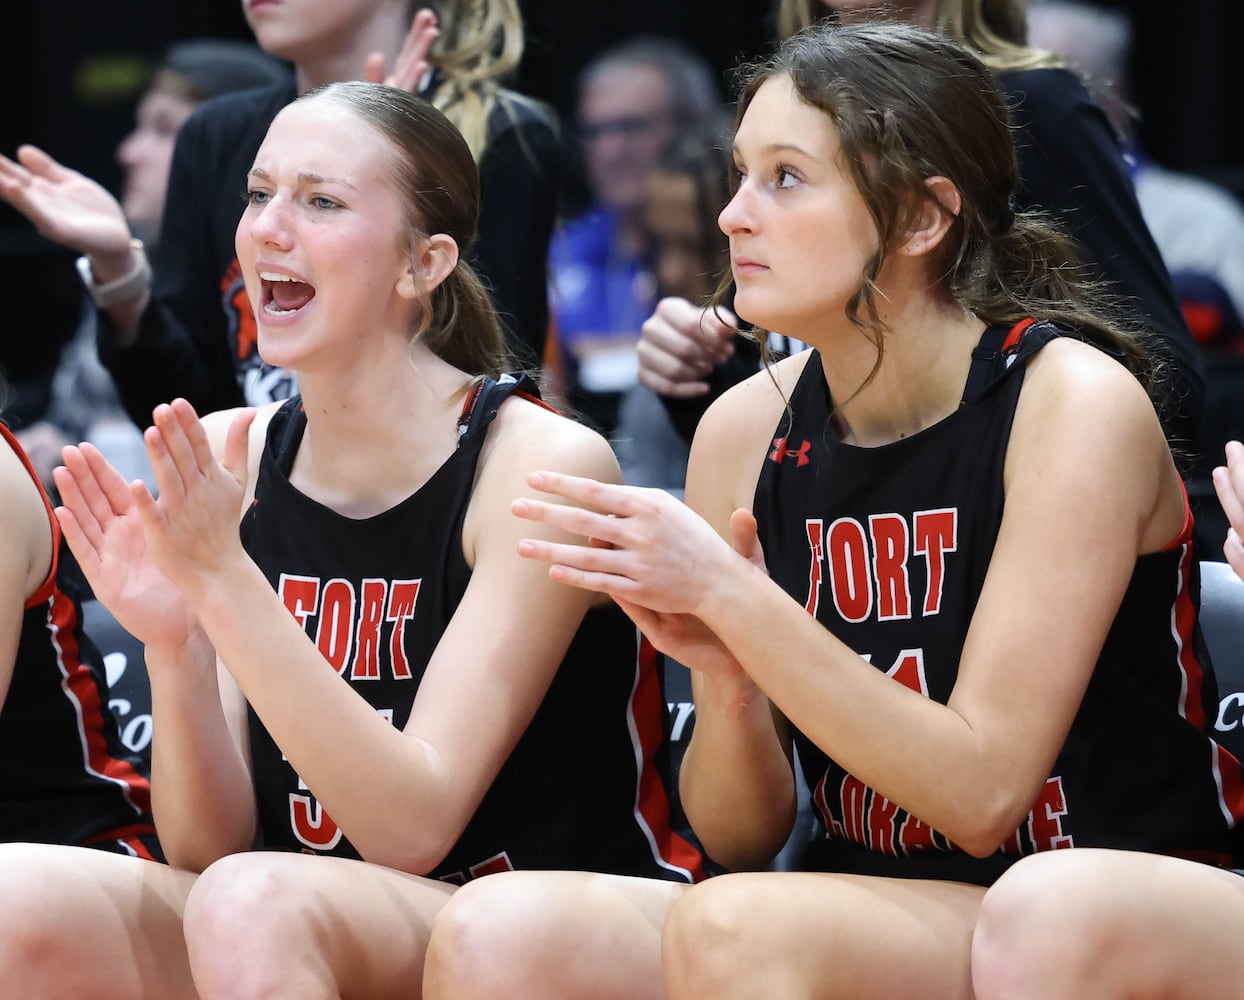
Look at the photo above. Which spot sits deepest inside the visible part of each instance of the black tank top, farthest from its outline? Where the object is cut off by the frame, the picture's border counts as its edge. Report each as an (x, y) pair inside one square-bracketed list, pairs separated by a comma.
[(66, 777), (581, 790), (888, 547)]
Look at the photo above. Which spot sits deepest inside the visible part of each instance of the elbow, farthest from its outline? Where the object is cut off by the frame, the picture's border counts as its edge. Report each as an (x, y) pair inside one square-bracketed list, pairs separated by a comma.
[(749, 847), (194, 849), (737, 857), (412, 850), (197, 858), (987, 827), (401, 858), (982, 845)]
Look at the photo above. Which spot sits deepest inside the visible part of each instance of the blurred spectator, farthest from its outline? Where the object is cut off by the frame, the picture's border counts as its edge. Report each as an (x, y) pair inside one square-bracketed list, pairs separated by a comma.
[(1198, 226), (186, 328), (84, 404), (689, 255), (191, 72), (632, 100), (1071, 167)]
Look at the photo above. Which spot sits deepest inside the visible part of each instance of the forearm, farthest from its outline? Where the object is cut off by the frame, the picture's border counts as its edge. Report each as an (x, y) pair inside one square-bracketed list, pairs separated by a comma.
[(115, 267), (736, 781), (202, 796), (950, 776), (401, 815)]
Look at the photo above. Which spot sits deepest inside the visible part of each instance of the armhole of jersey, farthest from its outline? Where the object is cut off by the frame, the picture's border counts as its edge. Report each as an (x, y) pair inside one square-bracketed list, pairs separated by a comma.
[(535, 399), (1184, 534), (495, 392)]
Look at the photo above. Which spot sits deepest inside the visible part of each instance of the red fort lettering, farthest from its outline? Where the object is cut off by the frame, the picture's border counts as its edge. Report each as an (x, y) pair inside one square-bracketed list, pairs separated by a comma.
[(348, 625), (868, 567)]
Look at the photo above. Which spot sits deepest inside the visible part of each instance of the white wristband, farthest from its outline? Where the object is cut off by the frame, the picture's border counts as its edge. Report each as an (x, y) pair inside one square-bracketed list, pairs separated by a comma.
[(133, 283)]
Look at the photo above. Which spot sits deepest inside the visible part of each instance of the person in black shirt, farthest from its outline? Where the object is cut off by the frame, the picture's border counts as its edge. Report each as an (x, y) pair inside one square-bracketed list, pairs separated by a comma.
[(65, 774), (1071, 166), (187, 330), (932, 562), (366, 680), (1116, 925)]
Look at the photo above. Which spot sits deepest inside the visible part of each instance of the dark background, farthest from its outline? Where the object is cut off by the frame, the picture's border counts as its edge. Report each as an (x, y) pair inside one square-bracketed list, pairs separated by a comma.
[(71, 67), (71, 70)]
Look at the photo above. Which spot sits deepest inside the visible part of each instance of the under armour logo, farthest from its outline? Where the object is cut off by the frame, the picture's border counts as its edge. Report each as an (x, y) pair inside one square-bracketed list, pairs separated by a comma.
[(780, 452)]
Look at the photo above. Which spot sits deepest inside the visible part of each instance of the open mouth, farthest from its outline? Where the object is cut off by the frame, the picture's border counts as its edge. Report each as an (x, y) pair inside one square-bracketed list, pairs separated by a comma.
[(283, 295)]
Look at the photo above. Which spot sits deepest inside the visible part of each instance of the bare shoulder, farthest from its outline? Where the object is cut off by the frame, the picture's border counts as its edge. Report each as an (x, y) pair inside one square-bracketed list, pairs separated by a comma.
[(1079, 382), (1085, 427), (756, 402), (18, 492), (526, 437), (27, 537), (217, 424)]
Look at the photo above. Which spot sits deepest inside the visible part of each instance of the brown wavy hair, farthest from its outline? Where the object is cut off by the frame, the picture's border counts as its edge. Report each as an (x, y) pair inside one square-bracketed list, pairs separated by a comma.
[(908, 105)]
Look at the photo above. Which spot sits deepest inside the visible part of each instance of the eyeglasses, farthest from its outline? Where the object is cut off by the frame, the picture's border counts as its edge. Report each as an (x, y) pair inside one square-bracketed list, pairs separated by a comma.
[(624, 126)]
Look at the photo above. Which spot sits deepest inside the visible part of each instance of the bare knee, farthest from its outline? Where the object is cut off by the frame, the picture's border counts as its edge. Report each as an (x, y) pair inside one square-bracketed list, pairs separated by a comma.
[(1041, 928), (30, 935), (78, 922), (249, 932), (709, 945), (565, 934), (458, 950), (493, 933)]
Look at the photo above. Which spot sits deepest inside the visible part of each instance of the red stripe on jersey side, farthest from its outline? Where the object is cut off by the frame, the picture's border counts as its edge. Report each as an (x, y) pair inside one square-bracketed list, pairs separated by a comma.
[(652, 804), (128, 838), (1185, 529), (1227, 773), (139, 849), (1192, 673), (1229, 777), (80, 687), (77, 680), (1183, 620)]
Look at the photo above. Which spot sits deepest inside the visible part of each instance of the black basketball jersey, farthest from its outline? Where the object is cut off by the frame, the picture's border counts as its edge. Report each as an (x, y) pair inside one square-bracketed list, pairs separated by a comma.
[(582, 788), (889, 546), (65, 776)]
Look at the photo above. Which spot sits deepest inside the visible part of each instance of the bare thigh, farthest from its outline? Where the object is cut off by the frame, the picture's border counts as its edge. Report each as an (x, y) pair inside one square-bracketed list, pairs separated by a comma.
[(269, 924), (1108, 925), (787, 935), (569, 935), (82, 923)]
